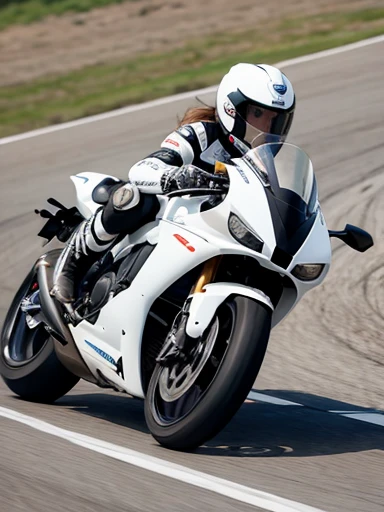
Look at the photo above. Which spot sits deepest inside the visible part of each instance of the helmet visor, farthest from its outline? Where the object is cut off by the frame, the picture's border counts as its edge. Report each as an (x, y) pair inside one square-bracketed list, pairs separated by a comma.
[(264, 125)]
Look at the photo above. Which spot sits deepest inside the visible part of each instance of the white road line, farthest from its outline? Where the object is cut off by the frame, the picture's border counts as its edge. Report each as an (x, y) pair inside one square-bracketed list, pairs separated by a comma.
[(105, 115), (349, 412), (331, 51), (259, 397), (205, 481), (182, 96), (376, 418), (368, 417)]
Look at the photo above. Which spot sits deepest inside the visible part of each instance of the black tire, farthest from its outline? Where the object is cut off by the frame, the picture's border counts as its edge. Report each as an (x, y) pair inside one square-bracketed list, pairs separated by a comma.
[(28, 362), (217, 393)]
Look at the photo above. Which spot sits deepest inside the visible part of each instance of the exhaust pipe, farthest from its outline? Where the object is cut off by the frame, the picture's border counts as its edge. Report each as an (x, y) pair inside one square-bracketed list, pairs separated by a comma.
[(59, 330), (65, 347)]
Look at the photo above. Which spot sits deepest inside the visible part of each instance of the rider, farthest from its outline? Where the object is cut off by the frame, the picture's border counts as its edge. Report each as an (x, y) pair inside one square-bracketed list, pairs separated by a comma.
[(252, 102)]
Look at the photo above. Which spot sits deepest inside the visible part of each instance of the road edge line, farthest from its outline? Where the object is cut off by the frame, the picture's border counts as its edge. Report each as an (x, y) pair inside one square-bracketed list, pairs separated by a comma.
[(179, 97)]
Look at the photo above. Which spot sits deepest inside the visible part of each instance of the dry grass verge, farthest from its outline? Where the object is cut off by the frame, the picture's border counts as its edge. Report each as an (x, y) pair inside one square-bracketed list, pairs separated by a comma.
[(198, 63)]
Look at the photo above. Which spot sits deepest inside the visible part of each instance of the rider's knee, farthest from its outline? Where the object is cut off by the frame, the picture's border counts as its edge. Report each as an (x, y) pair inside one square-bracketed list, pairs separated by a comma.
[(125, 197), (127, 209)]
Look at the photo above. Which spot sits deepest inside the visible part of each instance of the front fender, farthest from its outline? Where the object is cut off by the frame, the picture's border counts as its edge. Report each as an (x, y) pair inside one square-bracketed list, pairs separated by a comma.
[(204, 305)]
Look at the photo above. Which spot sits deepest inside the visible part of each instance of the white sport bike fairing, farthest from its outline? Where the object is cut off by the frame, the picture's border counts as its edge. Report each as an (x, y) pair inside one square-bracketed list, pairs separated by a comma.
[(178, 313)]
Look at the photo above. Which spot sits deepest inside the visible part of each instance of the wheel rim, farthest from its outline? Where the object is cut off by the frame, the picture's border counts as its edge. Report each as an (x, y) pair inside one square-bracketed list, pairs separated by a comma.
[(180, 388), (21, 344), (178, 379)]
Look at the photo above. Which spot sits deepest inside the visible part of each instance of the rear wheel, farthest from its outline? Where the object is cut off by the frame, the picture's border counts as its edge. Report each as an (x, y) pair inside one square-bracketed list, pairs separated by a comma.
[(28, 362), (190, 402)]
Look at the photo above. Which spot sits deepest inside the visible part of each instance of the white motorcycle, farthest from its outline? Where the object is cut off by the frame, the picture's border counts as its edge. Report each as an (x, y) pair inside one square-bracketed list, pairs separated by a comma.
[(180, 312)]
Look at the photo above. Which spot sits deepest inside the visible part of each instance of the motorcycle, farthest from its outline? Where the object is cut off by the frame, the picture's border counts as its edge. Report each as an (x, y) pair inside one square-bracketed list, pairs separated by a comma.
[(178, 313)]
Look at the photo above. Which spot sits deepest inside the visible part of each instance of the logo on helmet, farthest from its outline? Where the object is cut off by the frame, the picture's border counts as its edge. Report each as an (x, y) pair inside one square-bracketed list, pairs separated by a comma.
[(279, 102), (280, 88), (230, 109)]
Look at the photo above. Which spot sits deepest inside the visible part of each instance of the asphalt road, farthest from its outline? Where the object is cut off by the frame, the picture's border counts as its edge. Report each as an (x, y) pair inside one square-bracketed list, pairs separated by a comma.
[(328, 355)]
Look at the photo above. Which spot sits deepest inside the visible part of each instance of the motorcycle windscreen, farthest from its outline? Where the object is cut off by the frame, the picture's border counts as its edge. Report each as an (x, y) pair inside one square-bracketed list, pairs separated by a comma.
[(287, 174)]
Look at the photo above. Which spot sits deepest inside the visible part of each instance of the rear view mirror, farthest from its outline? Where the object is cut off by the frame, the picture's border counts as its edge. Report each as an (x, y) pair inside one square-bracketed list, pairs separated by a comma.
[(355, 237)]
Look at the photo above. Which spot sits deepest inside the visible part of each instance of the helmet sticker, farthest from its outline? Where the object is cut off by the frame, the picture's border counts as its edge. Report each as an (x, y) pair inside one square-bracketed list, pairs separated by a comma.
[(229, 108), (280, 88), (279, 101)]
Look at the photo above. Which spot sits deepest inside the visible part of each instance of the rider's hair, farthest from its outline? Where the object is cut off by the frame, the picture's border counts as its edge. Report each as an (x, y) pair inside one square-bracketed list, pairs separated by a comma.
[(196, 114)]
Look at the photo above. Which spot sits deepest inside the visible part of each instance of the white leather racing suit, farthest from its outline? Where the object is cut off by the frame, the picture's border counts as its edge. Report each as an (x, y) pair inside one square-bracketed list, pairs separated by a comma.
[(195, 144)]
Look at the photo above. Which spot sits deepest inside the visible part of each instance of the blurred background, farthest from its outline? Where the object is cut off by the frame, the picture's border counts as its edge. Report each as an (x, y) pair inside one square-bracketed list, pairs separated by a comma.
[(64, 59)]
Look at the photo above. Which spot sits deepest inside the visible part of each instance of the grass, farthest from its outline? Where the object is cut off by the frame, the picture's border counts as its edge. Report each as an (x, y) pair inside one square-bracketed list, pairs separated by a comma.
[(200, 63), (27, 11)]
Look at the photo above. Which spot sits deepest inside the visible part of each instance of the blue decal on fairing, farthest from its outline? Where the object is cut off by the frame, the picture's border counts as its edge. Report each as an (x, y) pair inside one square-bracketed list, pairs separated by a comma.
[(82, 178), (103, 354), (242, 174), (280, 88)]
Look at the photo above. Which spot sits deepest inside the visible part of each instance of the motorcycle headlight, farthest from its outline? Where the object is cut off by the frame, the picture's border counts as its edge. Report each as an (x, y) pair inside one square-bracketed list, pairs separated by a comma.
[(308, 271), (243, 235)]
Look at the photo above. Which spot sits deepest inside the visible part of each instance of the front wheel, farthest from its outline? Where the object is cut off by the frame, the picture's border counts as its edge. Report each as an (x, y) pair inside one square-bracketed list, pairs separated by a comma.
[(189, 403), (28, 362)]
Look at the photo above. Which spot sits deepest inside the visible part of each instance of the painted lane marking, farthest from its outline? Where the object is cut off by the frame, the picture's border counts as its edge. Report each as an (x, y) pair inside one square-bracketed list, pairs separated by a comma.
[(182, 96), (106, 115), (331, 51), (356, 411), (184, 474), (374, 417), (259, 397), (368, 417)]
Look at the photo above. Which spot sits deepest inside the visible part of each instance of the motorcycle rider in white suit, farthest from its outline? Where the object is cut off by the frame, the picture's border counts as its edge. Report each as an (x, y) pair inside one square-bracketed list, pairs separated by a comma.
[(252, 101)]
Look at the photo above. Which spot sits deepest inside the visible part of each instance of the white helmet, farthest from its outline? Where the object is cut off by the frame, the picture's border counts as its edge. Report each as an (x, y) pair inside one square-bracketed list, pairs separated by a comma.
[(254, 104)]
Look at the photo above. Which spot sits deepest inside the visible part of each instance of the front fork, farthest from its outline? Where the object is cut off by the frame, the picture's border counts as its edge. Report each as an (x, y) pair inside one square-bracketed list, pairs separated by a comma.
[(207, 275), (178, 344)]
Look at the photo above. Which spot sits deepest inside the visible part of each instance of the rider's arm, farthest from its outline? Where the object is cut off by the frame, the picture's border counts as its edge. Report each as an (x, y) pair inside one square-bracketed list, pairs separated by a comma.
[(150, 174)]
